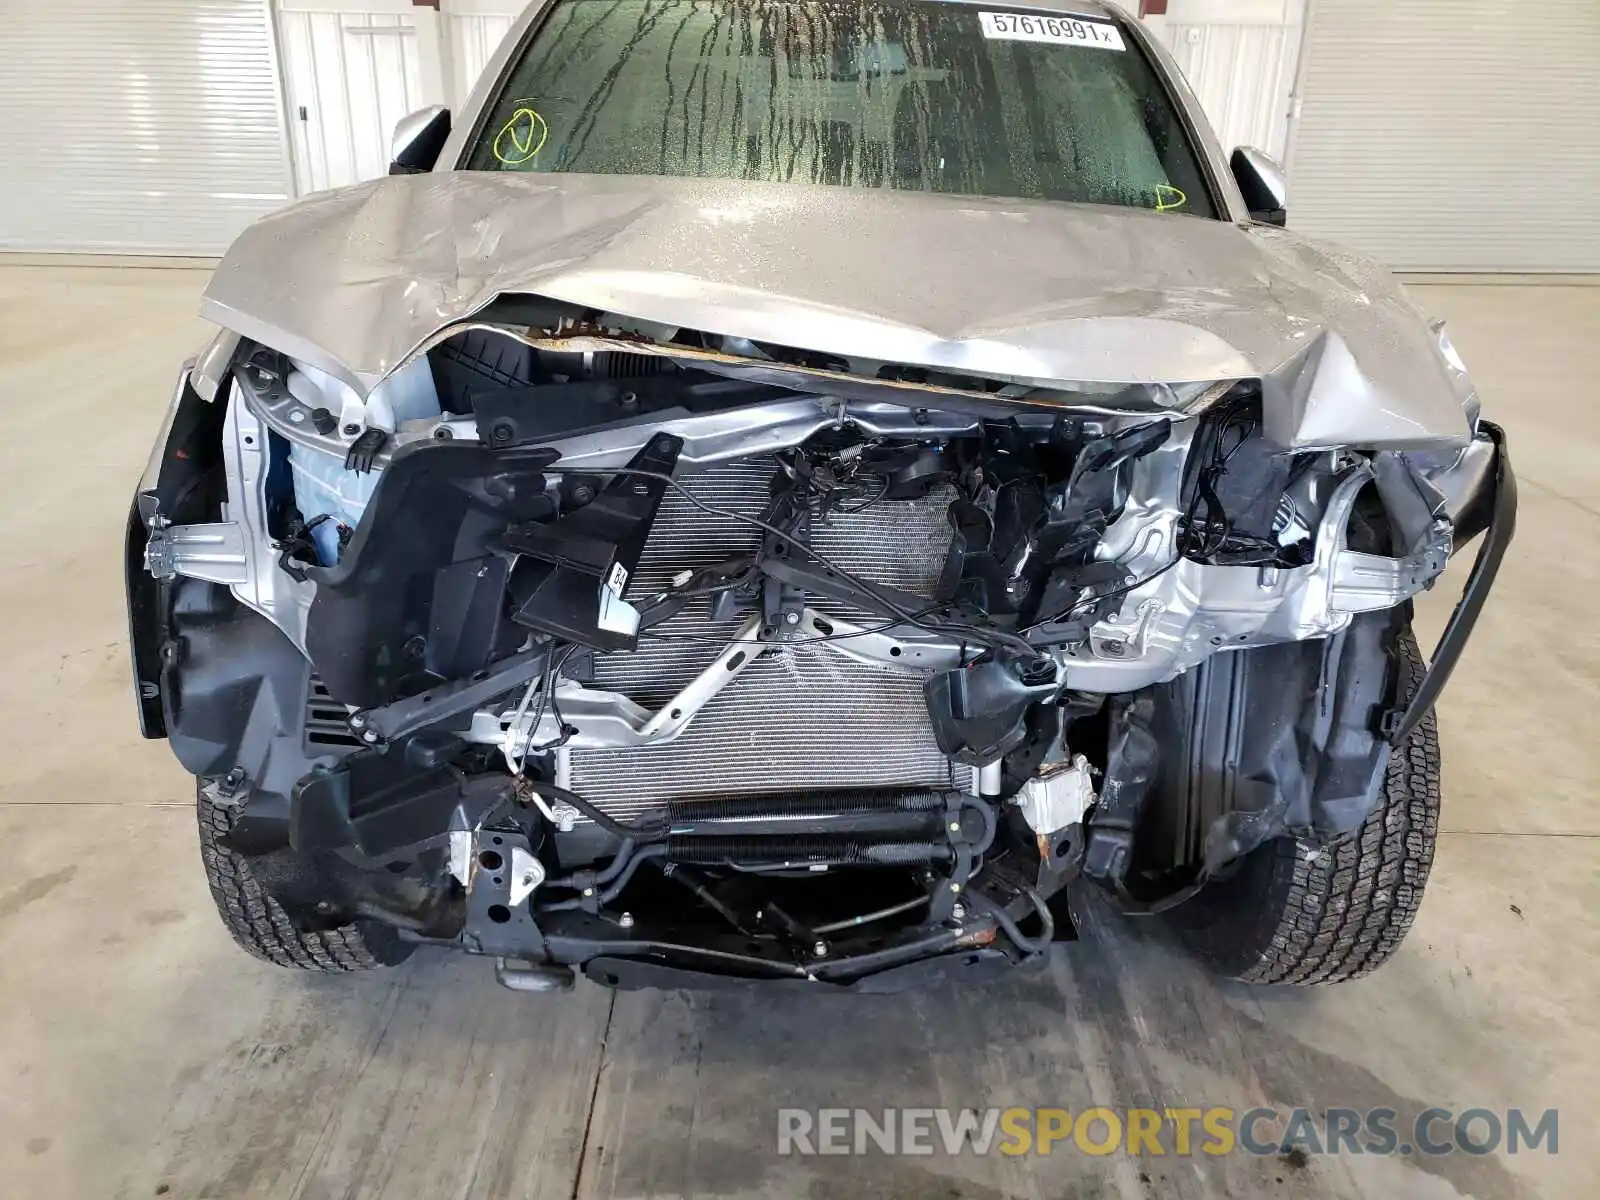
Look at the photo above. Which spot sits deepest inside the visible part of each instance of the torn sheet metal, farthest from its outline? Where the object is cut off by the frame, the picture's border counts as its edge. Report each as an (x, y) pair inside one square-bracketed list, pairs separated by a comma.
[(353, 281)]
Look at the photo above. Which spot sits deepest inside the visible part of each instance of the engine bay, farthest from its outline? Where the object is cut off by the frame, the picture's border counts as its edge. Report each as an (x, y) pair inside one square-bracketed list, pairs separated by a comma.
[(606, 650)]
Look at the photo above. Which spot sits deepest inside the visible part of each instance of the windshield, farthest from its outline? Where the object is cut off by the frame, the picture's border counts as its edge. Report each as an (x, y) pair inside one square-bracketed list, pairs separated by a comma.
[(936, 97)]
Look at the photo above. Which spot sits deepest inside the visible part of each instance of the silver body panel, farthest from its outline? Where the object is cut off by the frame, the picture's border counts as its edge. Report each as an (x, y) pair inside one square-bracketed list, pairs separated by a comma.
[(355, 281)]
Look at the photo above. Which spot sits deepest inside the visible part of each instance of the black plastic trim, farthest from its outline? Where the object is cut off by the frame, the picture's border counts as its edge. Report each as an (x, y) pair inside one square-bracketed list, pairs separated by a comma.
[(188, 448), (422, 155), (1398, 725), (147, 604)]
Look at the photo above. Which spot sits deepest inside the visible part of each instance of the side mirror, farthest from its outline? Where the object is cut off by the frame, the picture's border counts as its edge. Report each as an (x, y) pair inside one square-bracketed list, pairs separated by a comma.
[(418, 139), (1260, 178)]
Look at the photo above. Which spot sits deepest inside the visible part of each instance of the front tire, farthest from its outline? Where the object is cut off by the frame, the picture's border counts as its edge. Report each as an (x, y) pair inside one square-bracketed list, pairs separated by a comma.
[(1297, 913), (260, 924)]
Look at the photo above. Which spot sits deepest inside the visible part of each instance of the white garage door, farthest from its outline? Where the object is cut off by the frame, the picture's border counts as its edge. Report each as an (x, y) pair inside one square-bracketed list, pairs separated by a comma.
[(350, 76), (1453, 134), (1240, 57), (150, 126), (475, 30)]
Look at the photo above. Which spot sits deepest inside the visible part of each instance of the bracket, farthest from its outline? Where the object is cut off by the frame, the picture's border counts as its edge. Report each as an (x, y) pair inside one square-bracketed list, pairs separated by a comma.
[(577, 567), (498, 919)]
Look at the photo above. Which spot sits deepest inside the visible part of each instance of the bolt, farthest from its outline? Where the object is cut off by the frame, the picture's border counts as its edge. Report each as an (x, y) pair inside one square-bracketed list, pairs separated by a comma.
[(791, 618), (588, 891), (629, 400), (352, 429), (370, 737), (358, 721), (820, 950), (626, 920), (955, 826), (956, 888), (958, 911)]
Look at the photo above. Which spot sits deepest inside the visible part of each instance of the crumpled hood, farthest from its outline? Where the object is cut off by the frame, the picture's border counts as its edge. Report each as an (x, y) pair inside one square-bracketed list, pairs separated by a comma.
[(354, 280)]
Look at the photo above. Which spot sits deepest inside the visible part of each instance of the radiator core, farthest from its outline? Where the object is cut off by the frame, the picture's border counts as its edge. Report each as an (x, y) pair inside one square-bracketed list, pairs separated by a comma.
[(797, 719)]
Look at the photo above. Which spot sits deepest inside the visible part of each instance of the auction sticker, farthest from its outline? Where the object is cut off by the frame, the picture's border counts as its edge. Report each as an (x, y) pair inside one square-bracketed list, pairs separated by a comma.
[(1039, 27)]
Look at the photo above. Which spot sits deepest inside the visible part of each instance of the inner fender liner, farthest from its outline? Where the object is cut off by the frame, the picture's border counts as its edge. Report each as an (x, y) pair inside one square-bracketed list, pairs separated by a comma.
[(233, 691), (1256, 743), (381, 621), (183, 481)]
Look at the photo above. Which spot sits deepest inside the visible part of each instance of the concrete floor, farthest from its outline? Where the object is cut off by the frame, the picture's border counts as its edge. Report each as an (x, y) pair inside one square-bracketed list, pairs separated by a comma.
[(143, 1055)]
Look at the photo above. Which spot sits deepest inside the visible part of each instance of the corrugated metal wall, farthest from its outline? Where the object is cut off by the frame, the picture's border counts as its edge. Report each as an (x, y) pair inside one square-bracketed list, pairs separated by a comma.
[(349, 77), (1453, 134), (1240, 57), (1244, 75), (472, 38), (153, 127), (352, 68)]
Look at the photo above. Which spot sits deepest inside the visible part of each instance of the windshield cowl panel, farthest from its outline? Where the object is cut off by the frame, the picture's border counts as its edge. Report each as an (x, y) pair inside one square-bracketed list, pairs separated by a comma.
[(922, 96)]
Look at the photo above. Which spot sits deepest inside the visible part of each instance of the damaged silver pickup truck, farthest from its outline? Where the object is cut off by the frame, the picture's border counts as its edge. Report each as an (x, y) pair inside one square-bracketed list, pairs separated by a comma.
[(786, 491)]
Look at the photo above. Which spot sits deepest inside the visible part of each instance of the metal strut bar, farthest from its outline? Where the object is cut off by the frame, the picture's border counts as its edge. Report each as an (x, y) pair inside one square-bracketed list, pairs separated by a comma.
[(375, 726), (847, 802), (802, 850)]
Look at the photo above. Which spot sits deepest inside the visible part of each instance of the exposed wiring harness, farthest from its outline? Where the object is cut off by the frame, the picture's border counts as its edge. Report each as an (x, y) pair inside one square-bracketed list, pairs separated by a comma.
[(995, 639), (826, 491), (1213, 531), (545, 686)]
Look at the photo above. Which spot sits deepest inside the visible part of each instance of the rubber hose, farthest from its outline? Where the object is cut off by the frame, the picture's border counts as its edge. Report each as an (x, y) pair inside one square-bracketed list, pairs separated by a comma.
[(618, 861), (1003, 919), (653, 831), (990, 825), (614, 889)]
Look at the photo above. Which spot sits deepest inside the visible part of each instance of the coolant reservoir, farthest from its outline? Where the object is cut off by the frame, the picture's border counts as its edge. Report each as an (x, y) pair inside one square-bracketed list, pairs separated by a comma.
[(322, 484)]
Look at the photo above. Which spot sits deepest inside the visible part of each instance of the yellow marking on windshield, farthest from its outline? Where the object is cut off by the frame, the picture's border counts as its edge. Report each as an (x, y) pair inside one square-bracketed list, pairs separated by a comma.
[(522, 137), (1169, 197)]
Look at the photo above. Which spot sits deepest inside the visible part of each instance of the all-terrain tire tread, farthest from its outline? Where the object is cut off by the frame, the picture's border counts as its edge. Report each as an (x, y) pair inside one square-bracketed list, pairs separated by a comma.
[(1330, 914), (259, 924)]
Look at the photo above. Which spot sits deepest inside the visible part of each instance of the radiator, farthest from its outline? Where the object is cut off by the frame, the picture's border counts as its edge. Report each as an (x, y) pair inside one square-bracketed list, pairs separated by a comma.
[(797, 719)]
